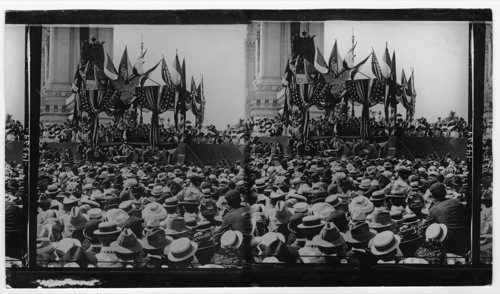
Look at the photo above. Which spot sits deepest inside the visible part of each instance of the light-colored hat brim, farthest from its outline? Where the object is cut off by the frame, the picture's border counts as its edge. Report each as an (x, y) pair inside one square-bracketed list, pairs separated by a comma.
[(194, 247), (396, 244)]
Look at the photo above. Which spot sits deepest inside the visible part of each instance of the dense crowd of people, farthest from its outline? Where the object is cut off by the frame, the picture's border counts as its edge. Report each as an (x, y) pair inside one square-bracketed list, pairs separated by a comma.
[(323, 201), (343, 125), (271, 208), (133, 132)]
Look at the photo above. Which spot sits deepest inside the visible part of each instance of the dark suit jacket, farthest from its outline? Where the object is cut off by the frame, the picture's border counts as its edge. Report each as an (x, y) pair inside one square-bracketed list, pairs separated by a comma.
[(450, 212)]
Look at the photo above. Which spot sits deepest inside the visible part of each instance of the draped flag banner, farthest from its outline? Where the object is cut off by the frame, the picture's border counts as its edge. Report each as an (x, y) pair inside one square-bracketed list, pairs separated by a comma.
[(98, 88), (158, 99), (96, 96)]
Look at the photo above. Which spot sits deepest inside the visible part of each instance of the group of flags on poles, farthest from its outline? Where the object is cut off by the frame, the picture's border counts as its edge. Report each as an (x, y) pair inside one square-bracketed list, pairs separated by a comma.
[(366, 83), (114, 90)]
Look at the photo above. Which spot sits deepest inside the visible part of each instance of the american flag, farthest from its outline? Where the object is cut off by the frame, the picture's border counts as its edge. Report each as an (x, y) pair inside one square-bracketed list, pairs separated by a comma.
[(158, 99), (165, 74), (377, 70)]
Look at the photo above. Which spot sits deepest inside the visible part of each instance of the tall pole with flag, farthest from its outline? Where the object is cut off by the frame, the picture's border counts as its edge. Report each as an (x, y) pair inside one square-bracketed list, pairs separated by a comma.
[(352, 110), (142, 50)]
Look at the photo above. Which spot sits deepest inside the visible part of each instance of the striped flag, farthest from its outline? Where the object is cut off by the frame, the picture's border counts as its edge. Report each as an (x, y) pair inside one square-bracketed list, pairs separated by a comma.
[(77, 80), (138, 70), (152, 97), (377, 70), (320, 63), (165, 74), (110, 69)]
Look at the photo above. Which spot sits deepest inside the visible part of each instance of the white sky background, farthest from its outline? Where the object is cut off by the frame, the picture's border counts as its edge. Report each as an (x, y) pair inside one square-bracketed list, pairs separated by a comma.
[(214, 51), (438, 51)]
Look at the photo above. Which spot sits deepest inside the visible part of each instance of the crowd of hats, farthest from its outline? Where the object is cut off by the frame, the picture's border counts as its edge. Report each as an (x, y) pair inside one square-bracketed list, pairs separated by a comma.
[(331, 206), (138, 210), (302, 206)]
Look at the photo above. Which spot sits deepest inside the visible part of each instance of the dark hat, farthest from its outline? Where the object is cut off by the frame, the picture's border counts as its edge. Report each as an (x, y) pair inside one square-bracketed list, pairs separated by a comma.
[(339, 218), (171, 202), (381, 220), (360, 233), (135, 224), (44, 199), (126, 243), (329, 236), (156, 239), (91, 226), (232, 194)]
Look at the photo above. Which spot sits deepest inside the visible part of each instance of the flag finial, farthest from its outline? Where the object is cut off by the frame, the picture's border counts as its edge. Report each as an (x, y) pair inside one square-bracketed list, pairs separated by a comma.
[(142, 44)]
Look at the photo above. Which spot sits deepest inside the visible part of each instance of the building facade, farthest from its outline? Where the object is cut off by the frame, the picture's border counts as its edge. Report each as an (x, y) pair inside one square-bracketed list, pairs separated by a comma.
[(267, 48), (60, 58)]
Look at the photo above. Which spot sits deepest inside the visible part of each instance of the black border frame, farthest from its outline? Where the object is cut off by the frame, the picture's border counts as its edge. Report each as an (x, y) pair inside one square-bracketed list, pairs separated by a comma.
[(256, 275)]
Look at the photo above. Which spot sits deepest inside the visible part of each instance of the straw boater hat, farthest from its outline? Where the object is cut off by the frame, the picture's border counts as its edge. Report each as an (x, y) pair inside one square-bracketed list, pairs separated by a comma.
[(127, 206), (378, 196), (436, 232), (329, 236), (311, 222), (181, 249), (260, 184), (106, 228), (333, 200), (301, 207), (95, 213), (157, 190), (231, 239), (126, 243), (52, 189), (171, 202), (361, 203), (365, 184), (384, 243)]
